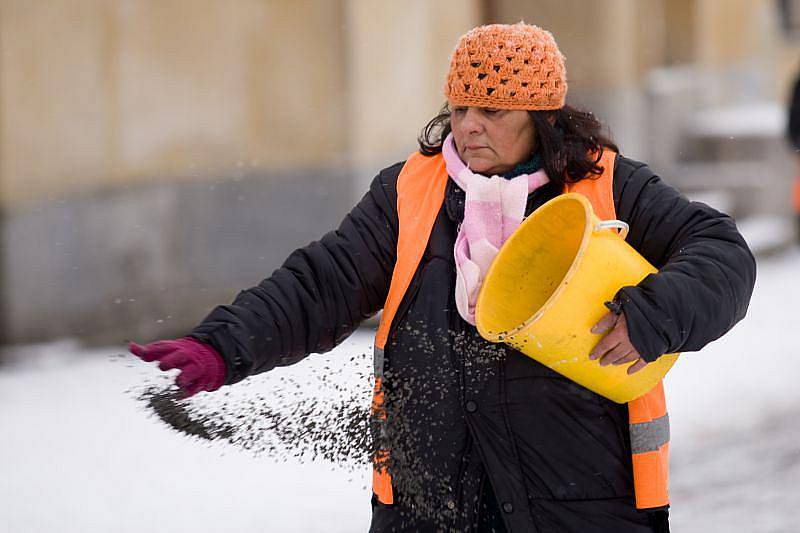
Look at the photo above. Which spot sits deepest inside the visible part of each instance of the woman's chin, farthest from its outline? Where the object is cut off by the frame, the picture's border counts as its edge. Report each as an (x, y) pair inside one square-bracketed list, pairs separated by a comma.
[(481, 166), (488, 171)]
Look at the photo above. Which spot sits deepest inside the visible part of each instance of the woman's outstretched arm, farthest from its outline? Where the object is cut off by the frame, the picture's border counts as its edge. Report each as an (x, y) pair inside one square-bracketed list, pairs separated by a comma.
[(318, 297)]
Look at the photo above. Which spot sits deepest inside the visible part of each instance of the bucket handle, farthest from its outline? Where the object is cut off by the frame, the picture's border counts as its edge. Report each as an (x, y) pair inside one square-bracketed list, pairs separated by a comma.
[(614, 224)]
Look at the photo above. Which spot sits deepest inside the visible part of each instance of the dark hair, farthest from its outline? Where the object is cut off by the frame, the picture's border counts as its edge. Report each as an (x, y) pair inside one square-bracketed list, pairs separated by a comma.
[(570, 147)]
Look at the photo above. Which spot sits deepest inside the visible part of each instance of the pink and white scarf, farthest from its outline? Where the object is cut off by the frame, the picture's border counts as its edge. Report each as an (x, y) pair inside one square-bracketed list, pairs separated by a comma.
[(494, 208)]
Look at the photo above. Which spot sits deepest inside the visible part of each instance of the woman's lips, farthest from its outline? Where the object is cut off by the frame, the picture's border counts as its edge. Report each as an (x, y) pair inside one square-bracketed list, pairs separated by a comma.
[(475, 147)]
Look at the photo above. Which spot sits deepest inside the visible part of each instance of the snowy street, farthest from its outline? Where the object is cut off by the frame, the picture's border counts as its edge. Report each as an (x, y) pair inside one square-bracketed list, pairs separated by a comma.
[(79, 454)]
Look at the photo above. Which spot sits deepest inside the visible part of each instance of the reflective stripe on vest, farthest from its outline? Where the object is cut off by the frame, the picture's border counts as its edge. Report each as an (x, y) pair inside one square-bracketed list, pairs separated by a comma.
[(420, 194)]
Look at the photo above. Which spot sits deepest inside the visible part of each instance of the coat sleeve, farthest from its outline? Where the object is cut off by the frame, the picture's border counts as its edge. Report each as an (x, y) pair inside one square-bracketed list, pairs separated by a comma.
[(706, 271), (318, 297)]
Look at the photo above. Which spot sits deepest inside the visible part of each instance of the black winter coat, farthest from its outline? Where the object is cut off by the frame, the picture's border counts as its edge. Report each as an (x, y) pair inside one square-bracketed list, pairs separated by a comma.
[(480, 432), (793, 124)]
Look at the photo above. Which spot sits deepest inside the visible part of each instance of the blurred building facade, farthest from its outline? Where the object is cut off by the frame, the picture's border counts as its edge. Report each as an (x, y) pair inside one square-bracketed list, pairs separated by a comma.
[(158, 155)]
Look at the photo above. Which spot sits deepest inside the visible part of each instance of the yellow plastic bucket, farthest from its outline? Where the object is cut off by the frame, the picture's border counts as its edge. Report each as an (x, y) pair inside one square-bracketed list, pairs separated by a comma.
[(547, 287)]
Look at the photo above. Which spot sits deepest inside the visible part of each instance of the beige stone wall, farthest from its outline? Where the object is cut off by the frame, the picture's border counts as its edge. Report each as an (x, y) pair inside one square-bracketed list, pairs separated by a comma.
[(609, 49), (398, 58), (98, 93), (748, 33), (604, 41), (56, 96), (102, 93), (612, 43), (680, 41), (733, 31), (157, 156)]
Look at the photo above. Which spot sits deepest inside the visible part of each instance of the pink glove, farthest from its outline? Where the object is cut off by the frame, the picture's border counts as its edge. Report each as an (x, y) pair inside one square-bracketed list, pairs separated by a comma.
[(202, 368)]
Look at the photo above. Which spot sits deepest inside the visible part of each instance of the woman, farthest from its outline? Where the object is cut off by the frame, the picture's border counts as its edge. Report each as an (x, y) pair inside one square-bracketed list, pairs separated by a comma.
[(474, 436)]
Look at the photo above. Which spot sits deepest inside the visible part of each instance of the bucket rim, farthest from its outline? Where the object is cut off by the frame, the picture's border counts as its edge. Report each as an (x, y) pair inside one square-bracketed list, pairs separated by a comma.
[(587, 229)]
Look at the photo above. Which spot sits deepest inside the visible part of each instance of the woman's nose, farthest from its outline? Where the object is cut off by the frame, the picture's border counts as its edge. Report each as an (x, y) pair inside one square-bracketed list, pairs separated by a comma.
[(471, 122)]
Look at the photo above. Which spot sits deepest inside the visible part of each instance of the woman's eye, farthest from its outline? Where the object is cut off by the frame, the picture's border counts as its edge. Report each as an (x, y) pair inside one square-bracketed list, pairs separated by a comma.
[(459, 110)]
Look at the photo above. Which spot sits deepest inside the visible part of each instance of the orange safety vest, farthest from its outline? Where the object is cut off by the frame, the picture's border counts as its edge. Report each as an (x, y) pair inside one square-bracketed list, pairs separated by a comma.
[(420, 194), (796, 195)]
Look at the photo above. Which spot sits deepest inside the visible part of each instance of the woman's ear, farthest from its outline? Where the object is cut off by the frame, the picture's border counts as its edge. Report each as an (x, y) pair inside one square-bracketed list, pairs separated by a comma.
[(551, 118)]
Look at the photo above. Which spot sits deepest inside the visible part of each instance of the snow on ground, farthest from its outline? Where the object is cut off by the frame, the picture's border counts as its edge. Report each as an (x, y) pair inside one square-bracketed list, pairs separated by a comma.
[(735, 416), (767, 233), (78, 454)]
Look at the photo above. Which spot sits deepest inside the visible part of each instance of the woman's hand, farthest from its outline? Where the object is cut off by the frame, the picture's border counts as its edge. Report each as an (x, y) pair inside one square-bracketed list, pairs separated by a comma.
[(616, 348), (201, 367)]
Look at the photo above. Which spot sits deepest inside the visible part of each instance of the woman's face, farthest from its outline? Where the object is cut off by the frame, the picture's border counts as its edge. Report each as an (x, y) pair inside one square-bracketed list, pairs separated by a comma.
[(492, 141)]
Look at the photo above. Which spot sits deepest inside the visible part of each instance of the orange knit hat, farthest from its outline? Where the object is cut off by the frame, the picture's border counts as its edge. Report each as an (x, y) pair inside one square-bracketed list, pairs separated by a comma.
[(507, 66)]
